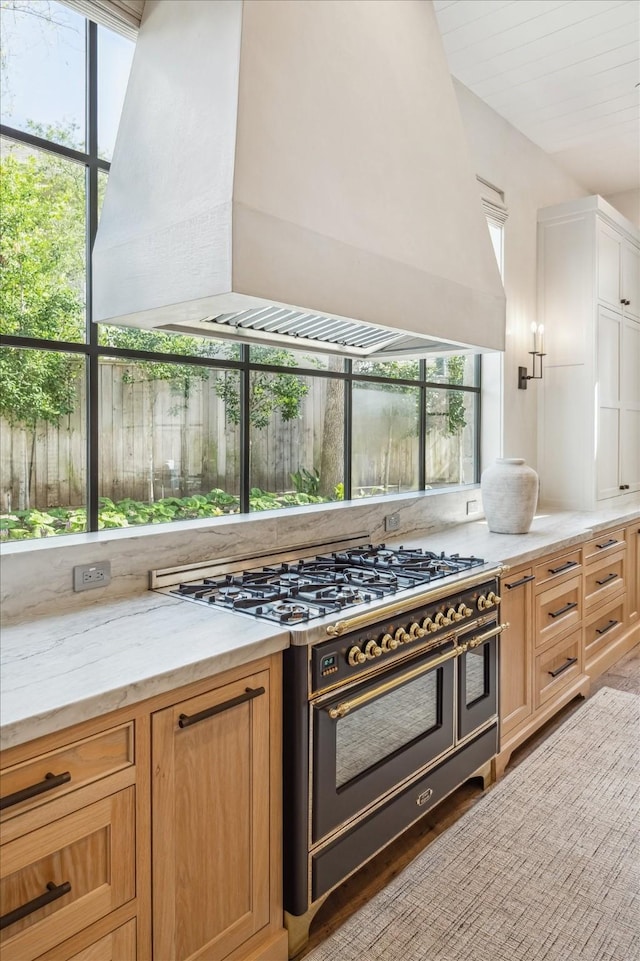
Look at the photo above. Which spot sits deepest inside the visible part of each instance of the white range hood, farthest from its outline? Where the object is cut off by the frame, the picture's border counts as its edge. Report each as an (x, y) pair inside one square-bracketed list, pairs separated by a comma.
[(295, 171)]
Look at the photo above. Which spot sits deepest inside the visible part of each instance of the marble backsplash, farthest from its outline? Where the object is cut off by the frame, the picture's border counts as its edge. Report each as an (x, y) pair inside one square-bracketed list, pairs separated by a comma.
[(36, 577)]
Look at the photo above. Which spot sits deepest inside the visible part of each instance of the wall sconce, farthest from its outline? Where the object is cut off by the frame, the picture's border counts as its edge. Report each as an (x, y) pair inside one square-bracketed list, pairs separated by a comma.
[(538, 351)]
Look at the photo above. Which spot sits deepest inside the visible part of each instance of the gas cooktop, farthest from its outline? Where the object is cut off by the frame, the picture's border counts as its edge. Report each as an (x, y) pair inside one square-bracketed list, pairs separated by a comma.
[(302, 590)]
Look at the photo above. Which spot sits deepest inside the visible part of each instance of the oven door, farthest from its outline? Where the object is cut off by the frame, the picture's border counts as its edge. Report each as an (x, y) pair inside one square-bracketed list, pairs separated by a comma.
[(372, 737), (478, 680)]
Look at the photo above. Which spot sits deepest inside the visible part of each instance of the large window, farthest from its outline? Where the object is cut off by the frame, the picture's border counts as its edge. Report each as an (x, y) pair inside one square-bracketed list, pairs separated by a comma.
[(113, 427)]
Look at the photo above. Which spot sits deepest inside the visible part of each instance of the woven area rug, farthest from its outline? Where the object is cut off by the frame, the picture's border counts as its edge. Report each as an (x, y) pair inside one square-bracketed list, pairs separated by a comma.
[(545, 867)]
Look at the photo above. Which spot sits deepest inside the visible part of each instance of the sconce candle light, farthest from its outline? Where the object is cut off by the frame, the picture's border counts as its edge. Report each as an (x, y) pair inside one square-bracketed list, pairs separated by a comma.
[(538, 351)]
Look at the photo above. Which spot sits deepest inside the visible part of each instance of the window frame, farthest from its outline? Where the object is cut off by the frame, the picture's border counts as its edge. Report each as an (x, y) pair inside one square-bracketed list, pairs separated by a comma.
[(93, 351)]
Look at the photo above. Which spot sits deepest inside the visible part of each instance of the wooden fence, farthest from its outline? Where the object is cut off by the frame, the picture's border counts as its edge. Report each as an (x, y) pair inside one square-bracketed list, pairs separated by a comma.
[(156, 443)]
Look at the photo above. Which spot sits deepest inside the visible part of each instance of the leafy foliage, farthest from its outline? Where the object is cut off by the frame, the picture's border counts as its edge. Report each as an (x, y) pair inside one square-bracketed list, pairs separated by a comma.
[(268, 392), (22, 525)]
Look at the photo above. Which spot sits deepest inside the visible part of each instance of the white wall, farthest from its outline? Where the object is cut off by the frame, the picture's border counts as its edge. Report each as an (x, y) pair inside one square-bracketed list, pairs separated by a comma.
[(628, 203), (529, 179)]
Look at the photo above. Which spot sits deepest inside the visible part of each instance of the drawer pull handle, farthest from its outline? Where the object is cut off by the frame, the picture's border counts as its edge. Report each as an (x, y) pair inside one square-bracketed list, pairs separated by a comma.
[(607, 627), (563, 610), (53, 892), (605, 580), (563, 567), (186, 720), (50, 781), (563, 667), (523, 580), (608, 543)]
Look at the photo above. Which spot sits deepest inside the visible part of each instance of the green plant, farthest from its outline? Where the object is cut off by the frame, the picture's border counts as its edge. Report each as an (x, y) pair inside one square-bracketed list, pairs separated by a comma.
[(305, 481)]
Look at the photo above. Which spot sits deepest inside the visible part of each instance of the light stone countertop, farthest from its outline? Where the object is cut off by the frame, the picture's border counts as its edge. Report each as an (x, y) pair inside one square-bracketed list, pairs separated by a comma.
[(550, 531), (60, 670), (63, 669)]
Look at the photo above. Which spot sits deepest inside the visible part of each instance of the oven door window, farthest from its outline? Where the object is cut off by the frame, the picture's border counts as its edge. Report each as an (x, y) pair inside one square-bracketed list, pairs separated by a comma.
[(395, 726), (477, 691), (379, 729)]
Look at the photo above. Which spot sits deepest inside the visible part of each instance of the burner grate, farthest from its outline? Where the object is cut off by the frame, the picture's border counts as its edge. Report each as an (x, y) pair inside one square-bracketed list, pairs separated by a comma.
[(301, 590)]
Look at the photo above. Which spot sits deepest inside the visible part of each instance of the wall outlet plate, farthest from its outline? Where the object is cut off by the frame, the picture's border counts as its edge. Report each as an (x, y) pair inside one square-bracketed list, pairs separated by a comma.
[(473, 507), (392, 522), (88, 576)]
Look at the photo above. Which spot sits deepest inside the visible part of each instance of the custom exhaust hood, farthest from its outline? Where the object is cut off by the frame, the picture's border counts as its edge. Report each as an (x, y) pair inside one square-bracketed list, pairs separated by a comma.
[(295, 172)]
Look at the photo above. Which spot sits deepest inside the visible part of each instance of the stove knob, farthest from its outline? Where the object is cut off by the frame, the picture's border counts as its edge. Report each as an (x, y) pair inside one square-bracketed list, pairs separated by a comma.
[(429, 625), (482, 603), (441, 620), (493, 598), (464, 610), (416, 631), (372, 650), (388, 643), (453, 615), (401, 636), (356, 657)]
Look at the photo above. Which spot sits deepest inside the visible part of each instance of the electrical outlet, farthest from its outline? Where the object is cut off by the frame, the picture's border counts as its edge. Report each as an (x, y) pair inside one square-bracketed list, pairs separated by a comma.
[(88, 576), (392, 522), (472, 507)]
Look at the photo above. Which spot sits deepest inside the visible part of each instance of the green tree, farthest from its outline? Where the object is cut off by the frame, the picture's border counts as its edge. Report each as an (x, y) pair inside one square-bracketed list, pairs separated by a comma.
[(268, 392), (42, 203)]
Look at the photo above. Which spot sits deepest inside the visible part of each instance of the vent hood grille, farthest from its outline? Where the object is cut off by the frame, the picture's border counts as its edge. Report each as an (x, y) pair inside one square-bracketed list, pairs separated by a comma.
[(299, 330), (296, 172)]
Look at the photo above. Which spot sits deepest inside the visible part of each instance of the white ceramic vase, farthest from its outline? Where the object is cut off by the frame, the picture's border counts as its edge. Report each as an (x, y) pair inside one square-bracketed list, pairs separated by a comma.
[(509, 495)]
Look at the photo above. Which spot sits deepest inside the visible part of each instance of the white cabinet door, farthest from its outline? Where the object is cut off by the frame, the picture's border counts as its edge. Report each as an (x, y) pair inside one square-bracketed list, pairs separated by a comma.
[(608, 347), (608, 453), (609, 244), (630, 279), (630, 406)]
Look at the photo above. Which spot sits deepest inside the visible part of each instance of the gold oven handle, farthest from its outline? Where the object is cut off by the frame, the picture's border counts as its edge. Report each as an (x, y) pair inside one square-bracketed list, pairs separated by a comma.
[(346, 706)]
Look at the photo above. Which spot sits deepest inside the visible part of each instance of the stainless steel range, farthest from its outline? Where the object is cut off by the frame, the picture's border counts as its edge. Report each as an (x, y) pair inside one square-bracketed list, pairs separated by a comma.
[(390, 693)]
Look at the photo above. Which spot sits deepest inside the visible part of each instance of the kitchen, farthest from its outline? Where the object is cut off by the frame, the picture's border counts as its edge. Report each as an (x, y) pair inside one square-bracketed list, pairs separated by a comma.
[(530, 181)]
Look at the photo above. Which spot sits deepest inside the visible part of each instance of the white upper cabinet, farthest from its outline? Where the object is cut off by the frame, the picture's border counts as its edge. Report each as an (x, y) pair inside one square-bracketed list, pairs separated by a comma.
[(618, 271), (589, 302)]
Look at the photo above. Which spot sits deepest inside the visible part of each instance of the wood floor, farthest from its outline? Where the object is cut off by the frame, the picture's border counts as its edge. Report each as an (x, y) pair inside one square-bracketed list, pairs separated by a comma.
[(374, 876)]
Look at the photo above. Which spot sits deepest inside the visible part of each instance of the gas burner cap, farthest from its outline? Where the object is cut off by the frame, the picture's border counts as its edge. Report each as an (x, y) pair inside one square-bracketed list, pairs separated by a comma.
[(291, 611), (380, 554), (233, 594)]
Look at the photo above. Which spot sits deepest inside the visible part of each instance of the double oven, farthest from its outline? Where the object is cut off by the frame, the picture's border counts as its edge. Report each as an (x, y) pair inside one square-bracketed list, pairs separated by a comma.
[(390, 695)]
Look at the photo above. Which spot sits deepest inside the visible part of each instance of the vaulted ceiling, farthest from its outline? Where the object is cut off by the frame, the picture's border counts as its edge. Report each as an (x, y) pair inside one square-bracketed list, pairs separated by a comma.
[(563, 72)]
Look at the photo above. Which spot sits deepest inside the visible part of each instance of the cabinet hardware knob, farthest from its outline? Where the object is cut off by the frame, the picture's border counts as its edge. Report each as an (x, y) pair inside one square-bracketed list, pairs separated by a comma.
[(523, 580), (186, 720), (605, 580), (563, 567), (563, 667), (563, 610), (53, 892), (50, 781)]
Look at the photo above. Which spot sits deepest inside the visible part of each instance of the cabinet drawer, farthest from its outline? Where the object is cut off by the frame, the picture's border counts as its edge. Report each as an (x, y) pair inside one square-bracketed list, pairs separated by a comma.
[(557, 667), (118, 945), (557, 569), (48, 776), (604, 544), (604, 579), (82, 866), (558, 610), (603, 628)]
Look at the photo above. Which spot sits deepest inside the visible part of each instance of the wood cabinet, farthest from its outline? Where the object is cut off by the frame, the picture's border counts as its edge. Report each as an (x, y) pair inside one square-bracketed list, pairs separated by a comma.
[(589, 303), (541, 653), (210, 760), (175, 804), (571, 615), (608, 629), (516, 643)]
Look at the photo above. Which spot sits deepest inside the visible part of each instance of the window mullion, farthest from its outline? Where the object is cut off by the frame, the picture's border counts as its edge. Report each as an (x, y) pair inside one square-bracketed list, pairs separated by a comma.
[(93, 369)]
